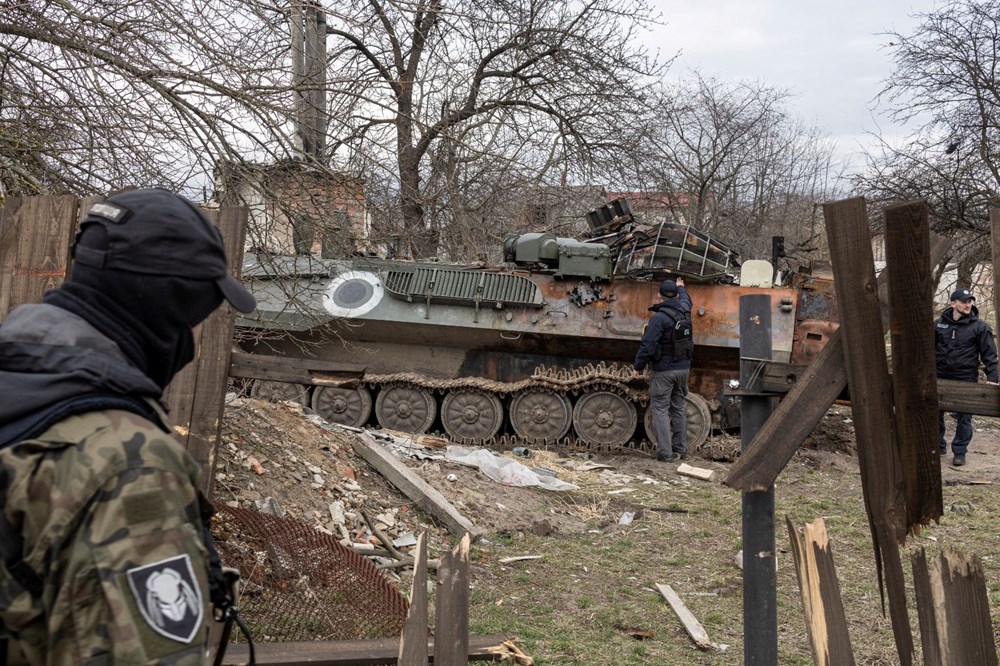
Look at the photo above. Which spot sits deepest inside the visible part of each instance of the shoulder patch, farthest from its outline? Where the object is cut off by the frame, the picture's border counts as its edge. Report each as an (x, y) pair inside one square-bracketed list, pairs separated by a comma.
[(168, 597)]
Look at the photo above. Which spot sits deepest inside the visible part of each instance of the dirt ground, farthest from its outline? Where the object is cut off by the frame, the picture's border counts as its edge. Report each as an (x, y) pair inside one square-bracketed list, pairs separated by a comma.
[(277, 458)]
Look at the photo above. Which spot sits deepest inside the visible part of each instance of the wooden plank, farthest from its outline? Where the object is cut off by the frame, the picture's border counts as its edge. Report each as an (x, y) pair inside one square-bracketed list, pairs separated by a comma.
[(914, 385), (451, 612), (823, 381), (862, 331), (954, 610), (348, 653), (952, 395), (696, 472), (295, 370), (982, 399), (826, 621), (215, 344), (36, 234), (413, 644), (411, 485), (197, 393), (691, 625)]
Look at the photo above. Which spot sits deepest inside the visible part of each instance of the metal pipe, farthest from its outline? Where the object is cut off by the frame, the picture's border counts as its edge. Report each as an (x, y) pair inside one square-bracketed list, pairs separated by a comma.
[(760, 613)]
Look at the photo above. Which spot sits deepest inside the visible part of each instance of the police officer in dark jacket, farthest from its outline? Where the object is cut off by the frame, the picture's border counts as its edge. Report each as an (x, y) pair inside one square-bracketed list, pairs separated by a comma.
[(962, 341), (669, 382)]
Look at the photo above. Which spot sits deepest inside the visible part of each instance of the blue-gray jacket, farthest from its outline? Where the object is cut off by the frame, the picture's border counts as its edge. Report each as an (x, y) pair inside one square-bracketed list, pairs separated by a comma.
[(660, 325)]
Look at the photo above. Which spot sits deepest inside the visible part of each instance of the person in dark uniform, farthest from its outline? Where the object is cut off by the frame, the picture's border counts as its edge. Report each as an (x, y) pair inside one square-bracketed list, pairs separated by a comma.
[(669, 382), (106, 557), (963, 342)]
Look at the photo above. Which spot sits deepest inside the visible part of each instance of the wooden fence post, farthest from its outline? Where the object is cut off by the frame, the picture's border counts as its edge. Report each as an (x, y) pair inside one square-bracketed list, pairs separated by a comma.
[(871, 401), (914, 380)]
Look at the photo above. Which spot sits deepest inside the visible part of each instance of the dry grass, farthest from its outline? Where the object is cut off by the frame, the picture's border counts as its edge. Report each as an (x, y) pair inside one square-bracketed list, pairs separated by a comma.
[(577, 604)]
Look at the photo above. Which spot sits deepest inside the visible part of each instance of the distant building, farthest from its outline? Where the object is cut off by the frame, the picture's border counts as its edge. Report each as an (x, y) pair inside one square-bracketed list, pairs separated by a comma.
[(561, 211), (655, 207), (296, 208)]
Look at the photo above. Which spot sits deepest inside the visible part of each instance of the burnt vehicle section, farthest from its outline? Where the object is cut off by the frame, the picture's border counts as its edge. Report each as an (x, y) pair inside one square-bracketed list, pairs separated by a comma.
[(536, 351)]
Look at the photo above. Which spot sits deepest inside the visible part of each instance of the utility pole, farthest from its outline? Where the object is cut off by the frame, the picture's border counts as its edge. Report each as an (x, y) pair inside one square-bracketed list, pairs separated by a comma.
[(308, 33)]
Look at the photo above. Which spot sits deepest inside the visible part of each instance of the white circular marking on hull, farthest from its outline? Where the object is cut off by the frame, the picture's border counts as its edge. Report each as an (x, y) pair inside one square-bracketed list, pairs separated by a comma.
[(352, 294)]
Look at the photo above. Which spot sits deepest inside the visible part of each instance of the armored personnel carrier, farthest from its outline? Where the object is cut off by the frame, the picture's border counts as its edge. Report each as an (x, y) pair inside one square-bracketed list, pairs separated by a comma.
[(537, 351)]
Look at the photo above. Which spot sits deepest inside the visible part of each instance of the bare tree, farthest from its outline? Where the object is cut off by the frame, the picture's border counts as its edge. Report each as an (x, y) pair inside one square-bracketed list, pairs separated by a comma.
[(100, 95), (733, 161), (945, 83), (436, 86)]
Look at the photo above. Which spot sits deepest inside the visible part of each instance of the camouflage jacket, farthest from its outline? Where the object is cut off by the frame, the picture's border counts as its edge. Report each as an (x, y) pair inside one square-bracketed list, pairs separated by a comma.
[(108, 507)]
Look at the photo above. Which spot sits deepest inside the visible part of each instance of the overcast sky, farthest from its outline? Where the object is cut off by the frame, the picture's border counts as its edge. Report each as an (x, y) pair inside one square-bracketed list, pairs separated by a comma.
[(830, 55)]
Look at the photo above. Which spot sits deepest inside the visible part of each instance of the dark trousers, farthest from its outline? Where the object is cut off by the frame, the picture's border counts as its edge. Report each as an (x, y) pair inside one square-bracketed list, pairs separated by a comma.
[(667, 389), (963, 433)]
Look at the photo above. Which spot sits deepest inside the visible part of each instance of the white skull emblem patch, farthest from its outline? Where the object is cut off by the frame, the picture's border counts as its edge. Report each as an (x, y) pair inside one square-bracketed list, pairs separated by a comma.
[(168, 597)]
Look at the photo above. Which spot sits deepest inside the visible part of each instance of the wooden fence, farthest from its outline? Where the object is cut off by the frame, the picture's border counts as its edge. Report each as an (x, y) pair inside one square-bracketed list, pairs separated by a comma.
[(36, 235), (895, 425)]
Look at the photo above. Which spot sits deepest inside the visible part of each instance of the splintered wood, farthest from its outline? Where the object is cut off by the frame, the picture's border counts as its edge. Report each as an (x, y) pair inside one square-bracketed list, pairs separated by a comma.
[(826, 621)]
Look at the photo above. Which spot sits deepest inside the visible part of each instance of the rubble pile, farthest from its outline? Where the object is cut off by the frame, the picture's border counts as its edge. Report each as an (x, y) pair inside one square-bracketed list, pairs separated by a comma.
[(274, 460)]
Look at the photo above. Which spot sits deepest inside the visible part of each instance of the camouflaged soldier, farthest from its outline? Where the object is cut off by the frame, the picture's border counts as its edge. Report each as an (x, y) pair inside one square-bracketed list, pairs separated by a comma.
[(106, 558)]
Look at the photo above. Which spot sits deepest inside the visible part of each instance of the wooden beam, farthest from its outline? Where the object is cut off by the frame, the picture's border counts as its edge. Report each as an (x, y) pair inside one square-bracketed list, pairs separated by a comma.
[(822, 383), (691, 624), (826, 621), (295, 370), (952, 395), (411, 485), (914, 389), (862, 331), (348, 653), (954, 609)]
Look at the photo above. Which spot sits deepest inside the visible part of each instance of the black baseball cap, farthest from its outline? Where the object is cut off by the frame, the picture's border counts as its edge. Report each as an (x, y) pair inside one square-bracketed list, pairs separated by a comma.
[(668, 288), (962, 295), (156, 232)]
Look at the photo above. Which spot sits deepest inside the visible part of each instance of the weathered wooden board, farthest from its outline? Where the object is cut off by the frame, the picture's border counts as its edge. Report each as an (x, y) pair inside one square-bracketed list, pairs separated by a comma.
[(954, 609), (691, 624), (914, 385), (197, 394), (348, 653), (867, 369), (36, 234), (295, 370), (451, 612), (413, 644)]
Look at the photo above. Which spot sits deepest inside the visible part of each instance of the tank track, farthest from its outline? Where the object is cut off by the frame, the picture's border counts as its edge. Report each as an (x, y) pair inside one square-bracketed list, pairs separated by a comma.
[(581, 383), (612, 377), (592, 377)]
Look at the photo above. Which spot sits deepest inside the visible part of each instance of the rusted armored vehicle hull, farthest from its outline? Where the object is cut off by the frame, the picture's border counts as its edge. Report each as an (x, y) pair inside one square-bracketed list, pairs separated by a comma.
[(538, 356)]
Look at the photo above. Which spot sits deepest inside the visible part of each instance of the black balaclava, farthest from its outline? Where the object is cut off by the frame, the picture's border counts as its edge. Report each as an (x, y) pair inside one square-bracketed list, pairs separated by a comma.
[(150, 317)]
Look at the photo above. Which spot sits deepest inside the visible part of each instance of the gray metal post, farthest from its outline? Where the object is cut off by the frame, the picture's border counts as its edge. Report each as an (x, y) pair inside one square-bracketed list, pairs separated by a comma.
[(760, 612)]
